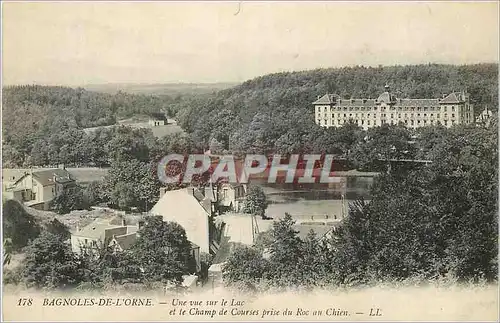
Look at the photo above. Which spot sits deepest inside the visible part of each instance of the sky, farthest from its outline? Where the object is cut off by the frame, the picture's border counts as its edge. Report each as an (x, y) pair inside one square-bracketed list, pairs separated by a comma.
[(79, 43)]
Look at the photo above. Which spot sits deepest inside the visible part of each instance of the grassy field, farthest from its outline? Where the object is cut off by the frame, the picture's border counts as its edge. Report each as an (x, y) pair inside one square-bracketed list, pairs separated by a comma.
[(158, 131)]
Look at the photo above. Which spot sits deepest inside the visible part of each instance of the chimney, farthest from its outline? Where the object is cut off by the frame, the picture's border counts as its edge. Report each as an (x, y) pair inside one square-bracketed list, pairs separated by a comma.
[(163, 190), (208, 192), (140, 224)]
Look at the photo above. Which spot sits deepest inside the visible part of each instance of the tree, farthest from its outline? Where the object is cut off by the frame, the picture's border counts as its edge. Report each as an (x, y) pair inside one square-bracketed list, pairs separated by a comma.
[(256, 201), (131, 184), (7, 251), (285, 252), (69, 199), (18, 225), (163, 251), (245, 265), (50, 263)]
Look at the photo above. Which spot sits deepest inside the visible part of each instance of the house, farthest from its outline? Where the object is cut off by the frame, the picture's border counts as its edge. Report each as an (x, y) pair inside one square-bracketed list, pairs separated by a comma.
[(157, 119), (38, 188), (485, 117), (10, 176), (116, 234), (231, 196), (104, 231), (193, 210)]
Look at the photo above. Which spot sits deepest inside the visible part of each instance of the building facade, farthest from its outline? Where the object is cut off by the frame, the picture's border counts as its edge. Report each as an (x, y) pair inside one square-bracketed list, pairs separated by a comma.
[(38, 188), (333, 111)]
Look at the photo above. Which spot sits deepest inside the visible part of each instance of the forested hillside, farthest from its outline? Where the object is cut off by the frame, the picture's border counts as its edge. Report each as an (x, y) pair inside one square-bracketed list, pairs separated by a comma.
[(277, 108), (268, 113)]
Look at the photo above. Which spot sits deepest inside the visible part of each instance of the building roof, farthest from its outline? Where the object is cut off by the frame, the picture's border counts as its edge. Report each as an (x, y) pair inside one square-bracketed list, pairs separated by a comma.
[(102, 229), (12, 174), (46, 177), (320, 230), (387, 97), (326, 99), (454, 97), (125, 241)]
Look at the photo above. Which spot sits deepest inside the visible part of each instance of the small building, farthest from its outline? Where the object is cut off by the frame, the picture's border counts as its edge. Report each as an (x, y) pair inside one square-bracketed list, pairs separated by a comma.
[(231, 196), (484, 118), (38, 188), (104, 231), (157, 119)]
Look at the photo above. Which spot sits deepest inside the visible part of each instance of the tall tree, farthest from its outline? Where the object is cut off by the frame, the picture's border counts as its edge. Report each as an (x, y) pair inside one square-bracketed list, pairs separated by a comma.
[(256, 201), (50, 263), (163, 251)]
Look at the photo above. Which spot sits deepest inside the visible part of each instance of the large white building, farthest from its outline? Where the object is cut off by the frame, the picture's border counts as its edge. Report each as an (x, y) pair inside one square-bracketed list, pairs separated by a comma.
[(333, 111)]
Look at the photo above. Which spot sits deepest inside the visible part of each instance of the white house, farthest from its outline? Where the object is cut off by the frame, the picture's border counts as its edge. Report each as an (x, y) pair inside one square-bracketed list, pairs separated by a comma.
[(38, 188), (192, 210)]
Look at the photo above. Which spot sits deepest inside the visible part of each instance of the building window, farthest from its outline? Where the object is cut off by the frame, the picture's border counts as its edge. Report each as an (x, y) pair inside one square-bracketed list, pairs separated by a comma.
[(368, 122), (452, 108), (453, 115), (412, 122)]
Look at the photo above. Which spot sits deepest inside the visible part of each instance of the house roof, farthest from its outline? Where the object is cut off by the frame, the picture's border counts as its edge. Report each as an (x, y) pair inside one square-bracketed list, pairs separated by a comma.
[(125, 241), (304, 229), (101, 229), (12, 174), (46, 177)]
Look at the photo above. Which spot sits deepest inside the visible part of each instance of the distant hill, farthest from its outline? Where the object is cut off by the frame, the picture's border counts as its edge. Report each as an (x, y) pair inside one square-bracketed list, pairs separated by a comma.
[(170, 89)]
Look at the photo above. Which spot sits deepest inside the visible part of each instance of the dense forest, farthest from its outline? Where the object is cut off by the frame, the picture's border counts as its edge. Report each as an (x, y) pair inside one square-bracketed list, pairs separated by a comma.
[(268, 113)]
